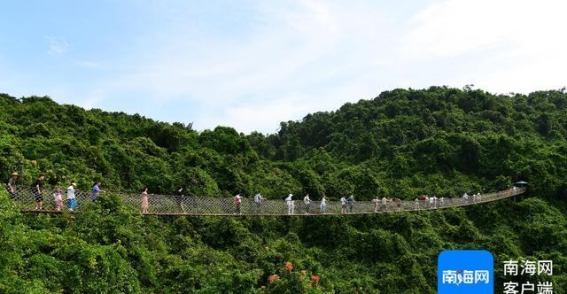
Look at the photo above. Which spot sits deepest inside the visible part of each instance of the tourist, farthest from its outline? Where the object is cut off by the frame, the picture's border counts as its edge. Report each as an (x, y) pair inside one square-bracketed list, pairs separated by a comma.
[(179, 195), (343, 204), (96, 190), (307, 203), (57, 197), (466, 198), (350, 201), (36, 189), (145, 202), (290, 204), (237, 202), (323, 204), (11, 185), (71, 200), (258, 199), (376, 202)]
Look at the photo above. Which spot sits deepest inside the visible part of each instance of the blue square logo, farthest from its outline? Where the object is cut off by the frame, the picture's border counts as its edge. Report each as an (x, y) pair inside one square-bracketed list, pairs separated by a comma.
[(465, 271)]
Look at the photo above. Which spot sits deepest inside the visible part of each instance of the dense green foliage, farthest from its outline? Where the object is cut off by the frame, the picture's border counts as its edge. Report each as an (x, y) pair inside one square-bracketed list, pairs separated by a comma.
[(403, 143)]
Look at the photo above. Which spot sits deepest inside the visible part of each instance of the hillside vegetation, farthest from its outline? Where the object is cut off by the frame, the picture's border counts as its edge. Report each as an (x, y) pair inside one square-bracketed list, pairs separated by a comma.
[(403, 143)]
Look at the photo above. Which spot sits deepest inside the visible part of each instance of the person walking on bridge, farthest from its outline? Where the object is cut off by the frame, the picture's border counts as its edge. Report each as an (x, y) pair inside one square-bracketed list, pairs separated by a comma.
[(307, 203), (71, 200), (58, 197), (258, 199), (290, 204), (237, 202), (376, 202), (145, 202), (324, 204), (11, 185), (96, 190), (179, 195), (343, 204), (350, 201), (36, 189)]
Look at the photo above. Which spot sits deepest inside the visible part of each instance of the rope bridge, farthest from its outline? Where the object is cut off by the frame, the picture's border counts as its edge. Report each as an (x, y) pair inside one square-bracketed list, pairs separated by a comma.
[(191, 205)]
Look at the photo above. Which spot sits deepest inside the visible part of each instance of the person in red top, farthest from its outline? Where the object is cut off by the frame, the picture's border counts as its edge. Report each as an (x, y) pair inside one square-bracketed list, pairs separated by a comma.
[(237, 202)]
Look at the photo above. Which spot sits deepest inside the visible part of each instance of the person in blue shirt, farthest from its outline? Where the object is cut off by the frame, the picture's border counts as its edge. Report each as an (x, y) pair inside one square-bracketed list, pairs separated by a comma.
[(350, 201), (96, 190)]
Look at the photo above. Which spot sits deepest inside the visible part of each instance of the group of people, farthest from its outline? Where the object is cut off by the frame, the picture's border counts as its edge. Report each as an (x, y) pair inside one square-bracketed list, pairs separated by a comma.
[(37, 190), (306, 204), (425, 201), (347, 203)]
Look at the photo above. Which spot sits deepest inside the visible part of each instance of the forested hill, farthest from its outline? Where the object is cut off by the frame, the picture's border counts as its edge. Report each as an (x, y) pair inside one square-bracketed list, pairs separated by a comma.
[(433, 140), (403, 143)]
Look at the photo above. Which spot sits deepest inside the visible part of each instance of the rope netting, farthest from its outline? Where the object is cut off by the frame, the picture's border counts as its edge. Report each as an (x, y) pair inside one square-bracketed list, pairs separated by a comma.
[(191, 205)]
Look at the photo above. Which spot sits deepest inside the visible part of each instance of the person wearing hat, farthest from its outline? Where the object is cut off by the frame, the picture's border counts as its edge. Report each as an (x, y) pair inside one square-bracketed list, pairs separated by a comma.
[(290, 204), (11, 185), (71, 200)]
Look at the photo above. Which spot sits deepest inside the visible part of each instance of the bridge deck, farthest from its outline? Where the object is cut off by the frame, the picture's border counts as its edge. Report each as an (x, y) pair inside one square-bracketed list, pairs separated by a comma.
[(161, 205)]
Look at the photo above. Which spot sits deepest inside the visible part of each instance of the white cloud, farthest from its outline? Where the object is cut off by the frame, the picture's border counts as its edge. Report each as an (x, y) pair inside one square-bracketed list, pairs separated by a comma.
[(57, 46), (312, 48), (455, 27), (296, 57), (501, 45), (260, 64), (260, 117)]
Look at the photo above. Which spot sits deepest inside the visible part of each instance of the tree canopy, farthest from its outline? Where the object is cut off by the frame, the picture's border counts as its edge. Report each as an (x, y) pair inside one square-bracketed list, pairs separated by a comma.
[(403, 143)]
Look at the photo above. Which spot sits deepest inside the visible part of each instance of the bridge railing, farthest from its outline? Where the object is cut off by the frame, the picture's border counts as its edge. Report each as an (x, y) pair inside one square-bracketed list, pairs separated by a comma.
[(191, 205)]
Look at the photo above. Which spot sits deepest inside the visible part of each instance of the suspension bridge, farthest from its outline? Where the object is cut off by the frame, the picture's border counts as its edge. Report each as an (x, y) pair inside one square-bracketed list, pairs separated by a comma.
[(213, 206)]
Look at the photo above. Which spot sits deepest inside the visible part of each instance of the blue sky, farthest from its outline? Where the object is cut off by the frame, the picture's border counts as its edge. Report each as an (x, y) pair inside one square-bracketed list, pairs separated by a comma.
[(252, 64)]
